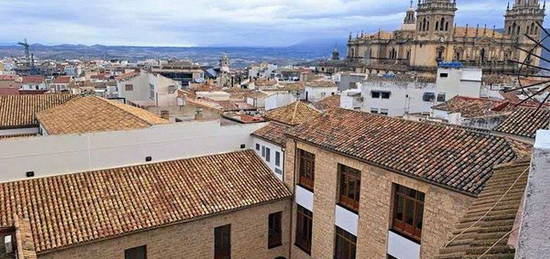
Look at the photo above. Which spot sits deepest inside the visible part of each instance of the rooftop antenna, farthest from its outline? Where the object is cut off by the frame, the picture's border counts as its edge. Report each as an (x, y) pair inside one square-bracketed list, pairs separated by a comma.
[(527, 69)]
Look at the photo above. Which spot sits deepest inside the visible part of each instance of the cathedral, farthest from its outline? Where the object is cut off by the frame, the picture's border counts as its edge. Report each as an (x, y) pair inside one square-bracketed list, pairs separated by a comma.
[(429, 35)]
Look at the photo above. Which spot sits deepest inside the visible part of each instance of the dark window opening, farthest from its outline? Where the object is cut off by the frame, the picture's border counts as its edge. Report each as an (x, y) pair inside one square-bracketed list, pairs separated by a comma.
[(267, 154), (139, 252), (275, 234), (345, 245), (258, 147), (222, 242), (277, 158), (304, 223), (443, 75)]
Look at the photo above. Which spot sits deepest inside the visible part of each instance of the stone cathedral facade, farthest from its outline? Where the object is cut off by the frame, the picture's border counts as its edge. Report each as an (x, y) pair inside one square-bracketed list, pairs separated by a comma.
[(429, 35)]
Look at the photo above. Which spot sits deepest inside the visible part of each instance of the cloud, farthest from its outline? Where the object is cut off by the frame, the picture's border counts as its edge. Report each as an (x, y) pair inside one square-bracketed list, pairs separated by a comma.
[(209, 22)]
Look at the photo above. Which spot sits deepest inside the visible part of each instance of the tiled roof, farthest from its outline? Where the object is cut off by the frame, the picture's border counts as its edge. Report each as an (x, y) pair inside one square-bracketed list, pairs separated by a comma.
[(331, 102), (24, 135), (62, 80), (321, 83), (449, 156), (18, 111), (273, 132), (473, 32), (93, 114), (292, 114), (33, 79), (72, 209), (471, 241), (525, 122), (127, 76), (473, 107)]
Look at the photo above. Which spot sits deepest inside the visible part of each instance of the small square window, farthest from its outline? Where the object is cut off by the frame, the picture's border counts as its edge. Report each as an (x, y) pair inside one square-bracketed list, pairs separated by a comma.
[(139, 252), (441, 97), (443, 75), (385, 95), (373, 110), (375, 95), (129, 87)]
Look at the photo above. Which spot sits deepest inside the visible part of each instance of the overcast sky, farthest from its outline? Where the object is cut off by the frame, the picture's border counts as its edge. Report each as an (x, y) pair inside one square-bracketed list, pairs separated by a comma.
[(212, 22)]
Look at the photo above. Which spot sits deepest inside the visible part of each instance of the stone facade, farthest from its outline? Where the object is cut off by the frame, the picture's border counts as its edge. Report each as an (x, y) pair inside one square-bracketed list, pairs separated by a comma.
[(249, 236), (432, 36), (442, 207)]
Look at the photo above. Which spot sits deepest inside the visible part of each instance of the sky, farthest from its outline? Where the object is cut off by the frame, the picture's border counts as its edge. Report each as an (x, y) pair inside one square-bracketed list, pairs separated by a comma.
[(213, 22)]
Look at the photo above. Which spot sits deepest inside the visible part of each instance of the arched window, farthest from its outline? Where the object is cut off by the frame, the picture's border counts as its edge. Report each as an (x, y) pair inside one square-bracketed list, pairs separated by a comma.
[(437, 26), (482, 55), (442, 23), (447, 26)]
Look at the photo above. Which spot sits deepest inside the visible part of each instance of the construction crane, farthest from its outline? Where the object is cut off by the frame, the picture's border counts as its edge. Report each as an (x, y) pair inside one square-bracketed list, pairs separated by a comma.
[(27, 47)]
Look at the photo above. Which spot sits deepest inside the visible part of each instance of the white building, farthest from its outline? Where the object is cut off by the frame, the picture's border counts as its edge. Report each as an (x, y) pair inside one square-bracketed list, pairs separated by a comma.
[(148, 89), (269, 143), (279, 99), (320, 89), (34, 83), (394, 95)]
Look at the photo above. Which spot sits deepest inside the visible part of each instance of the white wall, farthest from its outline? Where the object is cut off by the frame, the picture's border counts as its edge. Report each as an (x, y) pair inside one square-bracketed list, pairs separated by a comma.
[(10, 132), (405, 97), (461, 82), (60, 154), (259, 145), (315, 94), (277, 100)]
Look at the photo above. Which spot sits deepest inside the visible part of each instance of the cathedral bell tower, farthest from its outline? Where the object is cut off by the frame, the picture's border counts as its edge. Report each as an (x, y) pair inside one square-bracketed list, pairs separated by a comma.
[(521, 19), (435, 19)]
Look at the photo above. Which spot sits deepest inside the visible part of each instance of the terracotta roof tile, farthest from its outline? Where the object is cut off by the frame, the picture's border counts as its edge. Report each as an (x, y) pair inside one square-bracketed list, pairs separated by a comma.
[(273, 132), (331, 102), (450, 156), (93, 114), (471, 241), (33, 79), (18, 111), (292, 114), (525, 122), (72, 209), (62, 80), (473, 107)]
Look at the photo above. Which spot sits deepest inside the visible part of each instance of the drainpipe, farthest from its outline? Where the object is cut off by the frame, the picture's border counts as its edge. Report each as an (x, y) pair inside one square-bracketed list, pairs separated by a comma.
[(292, 201)]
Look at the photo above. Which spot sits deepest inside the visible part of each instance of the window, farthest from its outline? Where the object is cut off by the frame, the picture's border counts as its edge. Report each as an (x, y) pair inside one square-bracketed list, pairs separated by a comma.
[(306, 170), (441, 97), (304, 220), (384, 111), (375, 95), (373, 110), (129, 87), (139, 252), (222, 242), (344, 245), (258, 147), (385, 95), (443, 75), (277, 158), (267, 154), (408, 211), (349, 182), (171, 89), (428, 97), (152, 91), (275, 233), (263, 151)]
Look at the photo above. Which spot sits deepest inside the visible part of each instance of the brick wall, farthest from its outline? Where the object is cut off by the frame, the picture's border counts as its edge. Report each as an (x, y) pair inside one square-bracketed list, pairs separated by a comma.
[(196, 239), (442, 208)]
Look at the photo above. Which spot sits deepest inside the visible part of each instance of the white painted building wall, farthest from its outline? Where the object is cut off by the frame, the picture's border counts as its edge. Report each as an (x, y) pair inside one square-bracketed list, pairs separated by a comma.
[(459, 82), (62, 154), (164, 89), (279, 99), (404, 97), (10, 132), (317, 93), (261, 148)]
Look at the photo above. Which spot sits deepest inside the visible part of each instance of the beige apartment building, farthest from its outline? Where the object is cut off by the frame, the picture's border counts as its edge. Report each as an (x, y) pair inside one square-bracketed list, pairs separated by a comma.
[(370, 186)]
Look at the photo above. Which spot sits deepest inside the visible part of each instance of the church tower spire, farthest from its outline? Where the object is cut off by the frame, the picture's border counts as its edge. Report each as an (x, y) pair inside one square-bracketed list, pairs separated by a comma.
[(435, 18), (522, 19)]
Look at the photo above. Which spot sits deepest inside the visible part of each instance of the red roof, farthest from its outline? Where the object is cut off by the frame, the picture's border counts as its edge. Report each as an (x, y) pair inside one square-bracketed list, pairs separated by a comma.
[(62, 80), (9, 91), (7, 78), (33, 79)]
